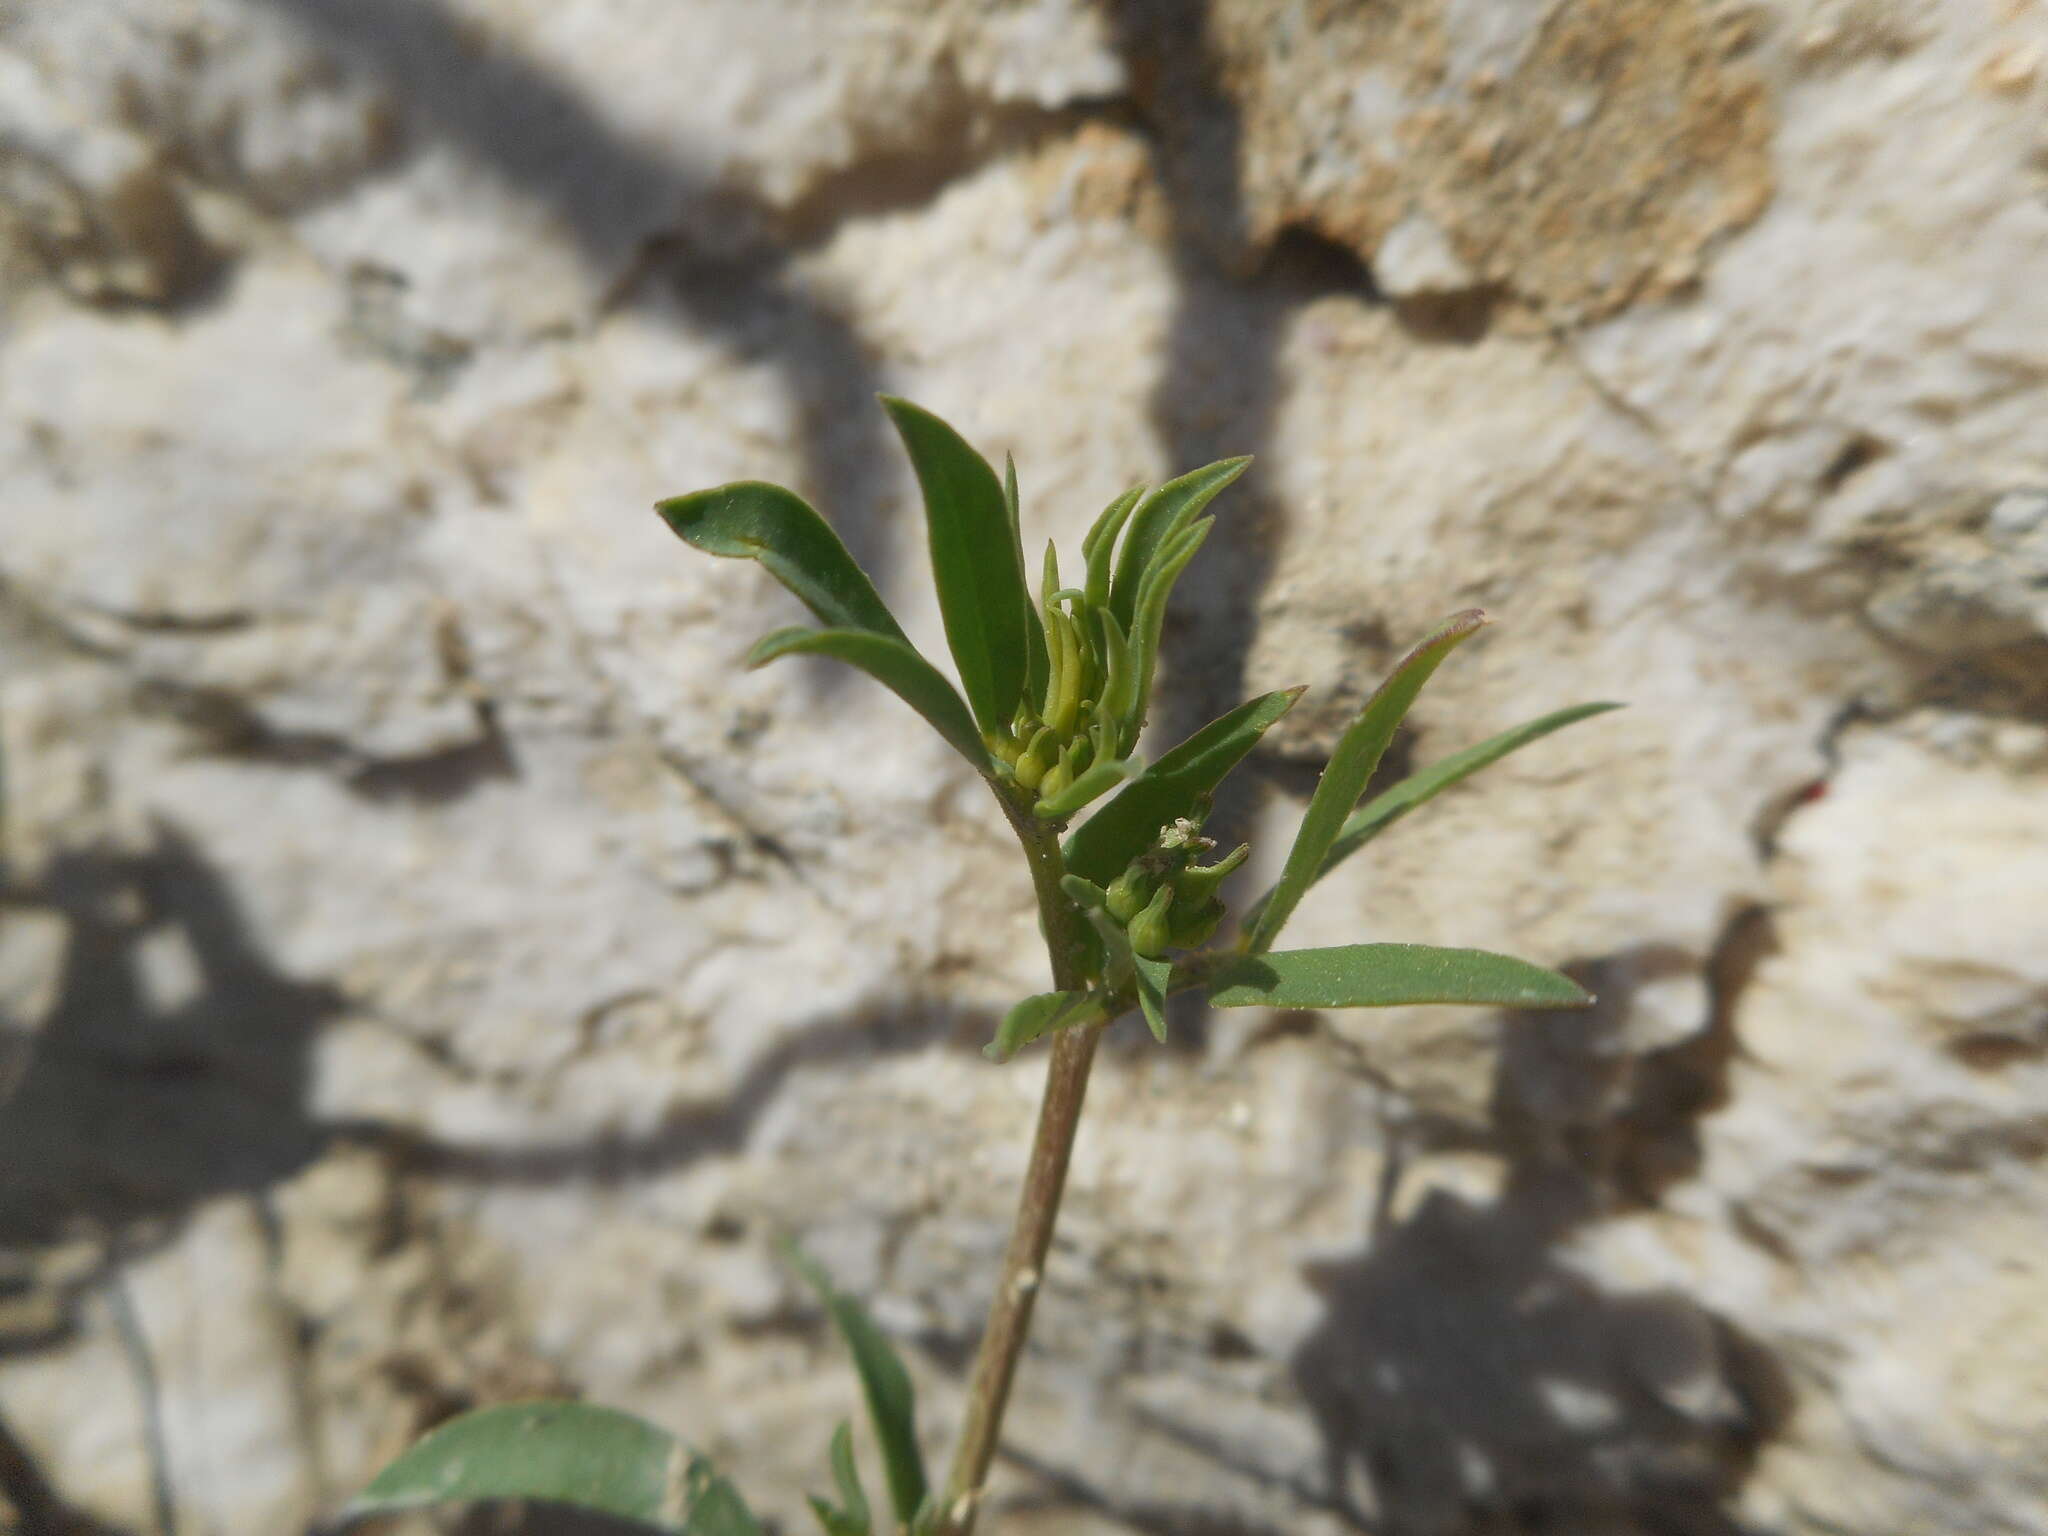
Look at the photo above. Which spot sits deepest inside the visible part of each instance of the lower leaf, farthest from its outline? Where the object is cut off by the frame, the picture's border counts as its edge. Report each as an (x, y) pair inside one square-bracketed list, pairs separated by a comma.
[(1388, 976), (892, 1401), (577, 1454), (1153, 978), (1040, 1015)]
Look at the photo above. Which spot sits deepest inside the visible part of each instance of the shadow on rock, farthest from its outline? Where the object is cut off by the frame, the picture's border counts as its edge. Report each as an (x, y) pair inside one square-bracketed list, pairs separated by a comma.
[(1482, 1384), (664, 229), (1220, 386), (175, 1067), (174, 1064)]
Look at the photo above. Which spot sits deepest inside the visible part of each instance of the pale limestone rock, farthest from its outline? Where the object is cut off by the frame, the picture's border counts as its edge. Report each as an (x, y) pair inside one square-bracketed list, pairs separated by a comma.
[(97, 206), (1880, 1155), (1416, 259)]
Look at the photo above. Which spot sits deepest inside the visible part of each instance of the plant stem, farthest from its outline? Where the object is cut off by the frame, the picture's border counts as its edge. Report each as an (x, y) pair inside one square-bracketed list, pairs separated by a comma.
[(1059, 1116)]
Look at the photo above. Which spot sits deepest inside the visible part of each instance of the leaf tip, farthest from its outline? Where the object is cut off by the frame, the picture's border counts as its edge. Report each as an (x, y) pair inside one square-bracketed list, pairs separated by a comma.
[(901, 410)]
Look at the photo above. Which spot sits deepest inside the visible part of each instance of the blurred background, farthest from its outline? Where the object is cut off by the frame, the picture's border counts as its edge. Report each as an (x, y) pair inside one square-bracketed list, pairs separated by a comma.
[(432, 972)]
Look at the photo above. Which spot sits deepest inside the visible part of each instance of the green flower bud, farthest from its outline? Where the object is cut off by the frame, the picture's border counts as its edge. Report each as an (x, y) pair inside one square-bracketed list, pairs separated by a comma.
[(1130, 891), (1037, 759), (1195, 929), (1197, 912), (1148, 931), (1194, 887)]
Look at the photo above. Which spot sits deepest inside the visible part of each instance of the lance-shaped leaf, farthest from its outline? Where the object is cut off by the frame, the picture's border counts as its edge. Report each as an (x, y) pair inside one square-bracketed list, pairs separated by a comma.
[(892, 1402), (1034, 631), (976, 564), (1157, 519), (1150, 618), (1388, 807), (896, 665), (851, 1516), (1350, 767), (1383, 810), (1098, 546), (751, 520), (1153, 977), (1170, 788), (1387, 976), (1038, 1015), (592, 1458)]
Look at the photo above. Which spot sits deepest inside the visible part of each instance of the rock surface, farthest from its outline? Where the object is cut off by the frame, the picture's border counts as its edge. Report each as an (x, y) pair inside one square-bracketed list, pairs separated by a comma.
[(432, 972)]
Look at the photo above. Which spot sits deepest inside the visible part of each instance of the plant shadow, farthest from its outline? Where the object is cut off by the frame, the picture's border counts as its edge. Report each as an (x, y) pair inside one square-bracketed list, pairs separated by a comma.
[(1474, 1377), (175, 1067)]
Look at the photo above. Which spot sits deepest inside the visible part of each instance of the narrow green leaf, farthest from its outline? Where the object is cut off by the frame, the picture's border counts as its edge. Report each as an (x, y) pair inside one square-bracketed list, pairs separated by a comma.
[(976, 563), (1118, 704), (1170, 788), (1158, 517), (1350, 767), (592, 1458), (1383, 810), (853, 1499), (751, 520), (1386, 976), (1040, 1015), (851, 1517), (1098, 548), (1034, 630), (1153, 978), (1150, 619), (1013, 505), (896, 665), (1098, 780), (892, 1402)]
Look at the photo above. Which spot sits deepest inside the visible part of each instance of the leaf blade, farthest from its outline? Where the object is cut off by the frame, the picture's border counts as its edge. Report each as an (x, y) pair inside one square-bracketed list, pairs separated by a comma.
[(1383, 810), (1037, 1015), (577, 1454), (1034, 630), (1100, 847), (853, 1499), (1350, 767), (1157, 518), (897, 666), (976, 563), (1153, 978), (753, 520), (1388, 976), (891, 1399)]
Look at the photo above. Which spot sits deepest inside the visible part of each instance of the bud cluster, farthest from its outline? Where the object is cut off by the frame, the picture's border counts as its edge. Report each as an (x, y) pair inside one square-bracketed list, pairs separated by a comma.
[(1164, 899), (1072, 735)]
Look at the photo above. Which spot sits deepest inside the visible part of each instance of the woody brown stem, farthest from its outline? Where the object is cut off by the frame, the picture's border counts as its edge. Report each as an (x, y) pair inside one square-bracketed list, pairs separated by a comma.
[(1059, 1117)]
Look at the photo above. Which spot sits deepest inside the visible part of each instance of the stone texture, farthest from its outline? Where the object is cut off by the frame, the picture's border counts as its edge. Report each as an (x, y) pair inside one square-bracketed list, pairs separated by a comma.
[(432, 972), (1581, 156)]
